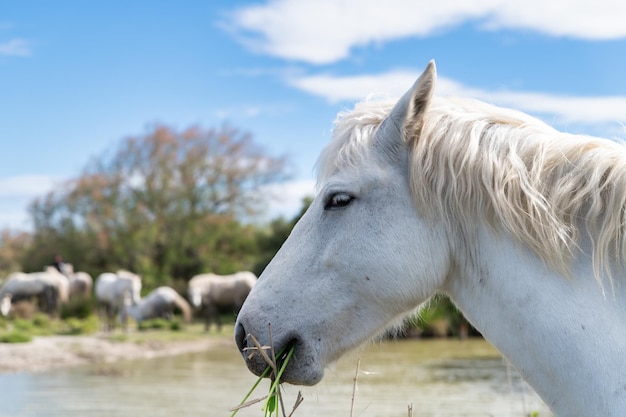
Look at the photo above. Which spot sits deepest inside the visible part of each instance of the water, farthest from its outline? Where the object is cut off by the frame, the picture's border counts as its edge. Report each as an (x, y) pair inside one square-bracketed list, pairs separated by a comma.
[(439, 378)]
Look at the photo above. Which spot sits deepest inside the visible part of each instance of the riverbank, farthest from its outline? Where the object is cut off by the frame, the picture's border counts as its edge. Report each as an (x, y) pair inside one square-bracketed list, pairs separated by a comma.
[(46, 353)]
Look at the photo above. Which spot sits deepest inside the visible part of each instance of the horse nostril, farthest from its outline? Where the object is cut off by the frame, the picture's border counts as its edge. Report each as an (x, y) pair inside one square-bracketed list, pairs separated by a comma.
[(240, 337)]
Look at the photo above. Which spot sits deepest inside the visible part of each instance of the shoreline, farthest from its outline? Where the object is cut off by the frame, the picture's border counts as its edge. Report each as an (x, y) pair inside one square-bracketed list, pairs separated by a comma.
[(46, 353)]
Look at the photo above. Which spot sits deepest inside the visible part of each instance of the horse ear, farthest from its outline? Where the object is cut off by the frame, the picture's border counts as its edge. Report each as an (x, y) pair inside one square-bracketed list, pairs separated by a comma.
[(406, 118), (421, 95)]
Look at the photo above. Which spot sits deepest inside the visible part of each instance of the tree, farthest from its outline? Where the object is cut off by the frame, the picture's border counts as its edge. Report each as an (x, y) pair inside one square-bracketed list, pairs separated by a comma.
[(13, 244), (163, 204), (270, 240)]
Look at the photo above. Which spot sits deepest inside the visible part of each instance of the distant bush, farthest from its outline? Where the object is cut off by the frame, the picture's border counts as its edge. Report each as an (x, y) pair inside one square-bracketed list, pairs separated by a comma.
[(160, 324), (23, 325), (23, 310), (22, 330), (153, 324), (81, 308), (41, 320), (76, 326), (15, 337)]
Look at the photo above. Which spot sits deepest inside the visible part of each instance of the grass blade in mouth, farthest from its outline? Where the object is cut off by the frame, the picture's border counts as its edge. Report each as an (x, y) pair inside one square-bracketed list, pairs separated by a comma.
[(275, 368)]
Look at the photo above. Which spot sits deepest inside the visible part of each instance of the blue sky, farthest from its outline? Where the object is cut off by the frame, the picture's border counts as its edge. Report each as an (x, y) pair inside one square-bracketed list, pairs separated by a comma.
[(77, 77)]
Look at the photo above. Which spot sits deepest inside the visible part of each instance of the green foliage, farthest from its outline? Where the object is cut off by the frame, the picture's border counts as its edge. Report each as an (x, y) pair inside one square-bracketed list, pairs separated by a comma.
[(439, 317), (80, 307), (166, 205), (76, 326), (41, 325), (41, 321), (23, 325), (160, 324), (12, 247), (154, 324), (271, 239), (15, 337)]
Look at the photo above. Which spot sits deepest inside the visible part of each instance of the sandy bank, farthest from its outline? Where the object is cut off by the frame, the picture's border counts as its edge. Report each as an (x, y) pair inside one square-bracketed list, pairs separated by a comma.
[(53, 352)]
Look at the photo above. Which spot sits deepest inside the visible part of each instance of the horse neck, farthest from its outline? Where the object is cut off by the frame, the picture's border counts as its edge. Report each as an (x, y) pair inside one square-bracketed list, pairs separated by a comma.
[(562, 333), (133, 310)]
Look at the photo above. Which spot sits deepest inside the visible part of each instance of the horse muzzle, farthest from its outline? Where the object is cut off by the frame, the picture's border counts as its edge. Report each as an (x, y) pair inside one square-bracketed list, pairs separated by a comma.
[(302, 369)]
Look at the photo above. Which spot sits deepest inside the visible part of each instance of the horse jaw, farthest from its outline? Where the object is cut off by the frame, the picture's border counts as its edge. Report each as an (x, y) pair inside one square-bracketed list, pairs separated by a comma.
[(345, 274)]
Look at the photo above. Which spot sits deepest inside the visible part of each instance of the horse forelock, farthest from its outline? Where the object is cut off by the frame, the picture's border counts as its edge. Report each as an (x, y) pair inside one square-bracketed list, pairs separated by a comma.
[(352, 133), (477, 162)]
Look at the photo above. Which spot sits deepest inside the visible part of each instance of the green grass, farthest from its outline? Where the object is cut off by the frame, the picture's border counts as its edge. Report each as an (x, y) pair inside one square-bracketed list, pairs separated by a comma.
[(276, 365), (42, 325), (20, 330), (15, 337)]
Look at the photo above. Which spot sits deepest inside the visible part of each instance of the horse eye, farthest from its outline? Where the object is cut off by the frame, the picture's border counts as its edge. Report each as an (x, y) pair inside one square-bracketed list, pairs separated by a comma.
[(338, 201)]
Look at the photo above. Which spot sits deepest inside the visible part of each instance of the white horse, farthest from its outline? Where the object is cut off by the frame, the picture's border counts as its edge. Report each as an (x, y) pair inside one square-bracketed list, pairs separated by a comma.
[(159, 303), (111, 291), (522, 226), (81, 282), (50, 287), (211, 292)]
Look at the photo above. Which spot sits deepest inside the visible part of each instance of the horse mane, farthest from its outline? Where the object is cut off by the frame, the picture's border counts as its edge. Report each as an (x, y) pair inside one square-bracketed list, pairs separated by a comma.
[(477, 162)]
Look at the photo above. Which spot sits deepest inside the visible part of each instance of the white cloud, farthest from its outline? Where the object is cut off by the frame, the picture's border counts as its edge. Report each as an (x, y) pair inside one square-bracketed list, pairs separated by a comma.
[(591, 110), (352, 88), (584, 19), (608, 109), (324, 31), (16, 47)]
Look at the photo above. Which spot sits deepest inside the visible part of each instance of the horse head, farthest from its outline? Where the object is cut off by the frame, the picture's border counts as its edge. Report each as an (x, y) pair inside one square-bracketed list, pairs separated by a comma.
[(195, 296), (346, 273)]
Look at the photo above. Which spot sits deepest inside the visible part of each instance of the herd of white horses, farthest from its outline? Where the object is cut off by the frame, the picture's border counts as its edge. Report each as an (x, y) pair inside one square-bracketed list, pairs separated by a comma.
[(118, 295)]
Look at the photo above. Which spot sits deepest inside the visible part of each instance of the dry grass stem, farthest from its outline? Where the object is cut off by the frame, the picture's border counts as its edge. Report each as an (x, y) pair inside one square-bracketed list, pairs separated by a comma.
[(356, 377), (299, 400), (261, 349), (248, 403)]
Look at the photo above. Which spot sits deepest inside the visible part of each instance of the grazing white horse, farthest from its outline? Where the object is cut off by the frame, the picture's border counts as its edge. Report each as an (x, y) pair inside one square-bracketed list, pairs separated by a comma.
[(522, 226), (50, 287), (212, 292), (112, 291), (159, 303), (81, 282)]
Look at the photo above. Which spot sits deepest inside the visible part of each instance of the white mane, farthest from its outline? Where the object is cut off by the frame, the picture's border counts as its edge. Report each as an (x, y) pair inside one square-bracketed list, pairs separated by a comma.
[(476, 162)]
